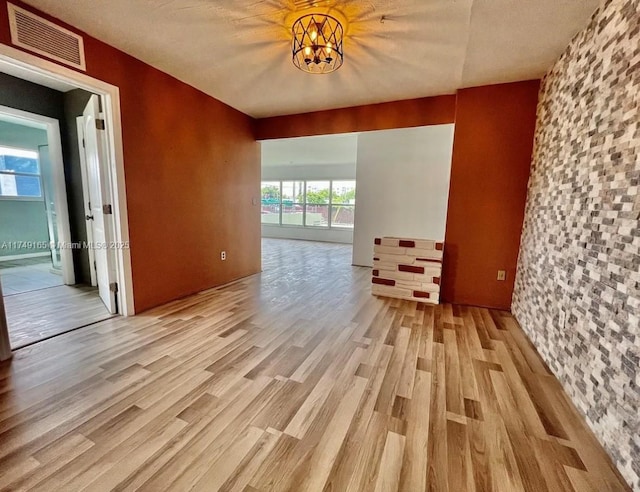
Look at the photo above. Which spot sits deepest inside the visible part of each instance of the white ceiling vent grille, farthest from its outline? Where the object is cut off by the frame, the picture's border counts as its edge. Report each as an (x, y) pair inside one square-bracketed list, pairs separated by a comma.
[(36, 34)]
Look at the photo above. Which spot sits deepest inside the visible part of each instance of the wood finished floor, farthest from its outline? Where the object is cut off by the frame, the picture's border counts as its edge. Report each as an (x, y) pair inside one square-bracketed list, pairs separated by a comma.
[(296, 379), (39, 314), (28, 274)]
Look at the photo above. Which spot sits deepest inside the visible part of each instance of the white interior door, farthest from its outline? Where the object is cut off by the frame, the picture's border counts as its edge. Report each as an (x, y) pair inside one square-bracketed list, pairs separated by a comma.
[(86, 199), (101, 217)]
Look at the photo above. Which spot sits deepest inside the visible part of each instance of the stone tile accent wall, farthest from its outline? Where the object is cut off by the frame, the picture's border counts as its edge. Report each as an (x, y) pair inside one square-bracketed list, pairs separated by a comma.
[(577, 292), (406, 268)]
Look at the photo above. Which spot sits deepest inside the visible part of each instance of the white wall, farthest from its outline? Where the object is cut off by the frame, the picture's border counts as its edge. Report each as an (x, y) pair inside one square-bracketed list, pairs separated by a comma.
[(309, 171), (21, 136), (308, 233), (317, 149), (403, 186)]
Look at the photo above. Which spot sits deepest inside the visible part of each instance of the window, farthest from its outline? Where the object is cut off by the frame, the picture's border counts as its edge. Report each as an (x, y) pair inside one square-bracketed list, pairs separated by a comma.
[(317, 204), (343, 203), (271, 202), (292, 203), (321, 204), (19, 174)]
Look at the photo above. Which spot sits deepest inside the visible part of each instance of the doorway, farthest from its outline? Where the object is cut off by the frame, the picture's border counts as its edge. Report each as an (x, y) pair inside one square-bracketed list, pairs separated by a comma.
[(43, 295), (102, 205), (33, 203), (98, 211)]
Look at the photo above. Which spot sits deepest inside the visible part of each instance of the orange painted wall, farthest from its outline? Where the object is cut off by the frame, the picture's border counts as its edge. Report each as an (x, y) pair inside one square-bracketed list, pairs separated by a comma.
[(398, 114), (192, 168), (492, 149)]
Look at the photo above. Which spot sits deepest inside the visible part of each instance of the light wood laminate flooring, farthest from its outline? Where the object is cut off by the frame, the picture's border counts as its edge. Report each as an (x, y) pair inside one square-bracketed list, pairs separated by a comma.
[(294, 379), (40, 314)]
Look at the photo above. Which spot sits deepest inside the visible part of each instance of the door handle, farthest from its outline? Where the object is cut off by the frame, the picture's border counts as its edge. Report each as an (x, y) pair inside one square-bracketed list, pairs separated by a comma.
[(88, 217)]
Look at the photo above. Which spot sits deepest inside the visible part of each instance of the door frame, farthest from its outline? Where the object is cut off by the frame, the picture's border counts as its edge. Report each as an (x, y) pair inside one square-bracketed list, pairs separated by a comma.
[(5, 346), (21, 62), (52, 127), (101, 225)]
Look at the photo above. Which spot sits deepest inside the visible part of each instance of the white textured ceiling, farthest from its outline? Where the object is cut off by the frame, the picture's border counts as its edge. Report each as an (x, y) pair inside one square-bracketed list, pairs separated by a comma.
[(238, 50), (322, 149)]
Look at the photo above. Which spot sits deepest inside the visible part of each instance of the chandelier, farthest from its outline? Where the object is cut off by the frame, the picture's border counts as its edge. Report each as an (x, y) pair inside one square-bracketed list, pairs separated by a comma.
[(317, 43)]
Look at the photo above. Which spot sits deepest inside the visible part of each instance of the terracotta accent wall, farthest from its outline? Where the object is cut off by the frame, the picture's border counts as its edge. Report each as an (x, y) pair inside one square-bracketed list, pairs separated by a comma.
[(399, 114), (192, 167), (577, 293), (492, 147)]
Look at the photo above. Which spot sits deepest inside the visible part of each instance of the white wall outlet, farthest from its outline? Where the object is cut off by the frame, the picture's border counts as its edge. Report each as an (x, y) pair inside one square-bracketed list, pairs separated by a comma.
[(223, 255), (502, 275), (562, 318)]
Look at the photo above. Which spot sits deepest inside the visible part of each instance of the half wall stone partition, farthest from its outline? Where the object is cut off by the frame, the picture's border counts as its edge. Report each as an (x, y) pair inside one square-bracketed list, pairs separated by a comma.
[(406, 268)]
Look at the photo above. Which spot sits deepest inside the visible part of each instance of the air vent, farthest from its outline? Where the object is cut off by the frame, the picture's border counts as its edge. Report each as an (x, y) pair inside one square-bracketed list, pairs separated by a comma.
[(36, 34)]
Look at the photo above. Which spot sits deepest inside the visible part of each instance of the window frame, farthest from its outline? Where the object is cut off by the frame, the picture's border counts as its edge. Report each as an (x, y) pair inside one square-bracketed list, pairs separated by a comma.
[(304, 204), (293, 202), (340, 204), (40, 198), (279, 201)]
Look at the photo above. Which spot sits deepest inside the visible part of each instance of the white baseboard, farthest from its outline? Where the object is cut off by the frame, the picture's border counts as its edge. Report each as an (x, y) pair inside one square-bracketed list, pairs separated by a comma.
[(25, 256), (344, 236)]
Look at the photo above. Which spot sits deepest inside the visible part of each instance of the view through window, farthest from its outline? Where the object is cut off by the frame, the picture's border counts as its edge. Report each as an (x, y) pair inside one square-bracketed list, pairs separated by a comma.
[(19, 174), (320, 204)]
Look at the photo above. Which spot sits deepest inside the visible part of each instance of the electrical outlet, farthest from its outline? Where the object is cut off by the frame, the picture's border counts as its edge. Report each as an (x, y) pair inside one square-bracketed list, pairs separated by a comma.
[(223, 255), (502, 275), (562, 318)]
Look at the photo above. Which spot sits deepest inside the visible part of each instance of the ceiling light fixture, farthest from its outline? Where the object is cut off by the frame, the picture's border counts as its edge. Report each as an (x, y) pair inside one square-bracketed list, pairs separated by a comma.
[(317, 43)]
